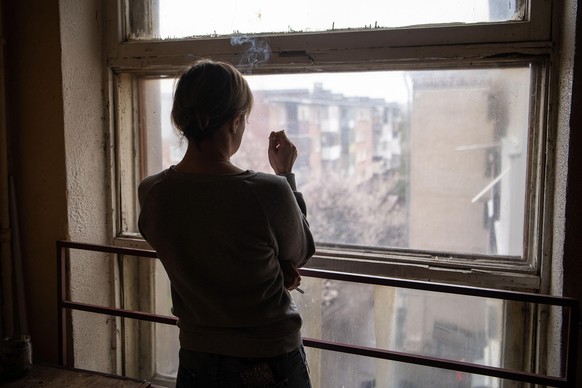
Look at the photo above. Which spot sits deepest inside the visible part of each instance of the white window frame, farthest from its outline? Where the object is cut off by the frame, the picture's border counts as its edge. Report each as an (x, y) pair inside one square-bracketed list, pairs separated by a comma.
[(390, 49)]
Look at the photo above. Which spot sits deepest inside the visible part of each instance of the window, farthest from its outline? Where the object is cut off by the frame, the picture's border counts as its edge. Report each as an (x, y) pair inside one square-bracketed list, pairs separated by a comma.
[(182, 19), (381, 161), (421, 145)]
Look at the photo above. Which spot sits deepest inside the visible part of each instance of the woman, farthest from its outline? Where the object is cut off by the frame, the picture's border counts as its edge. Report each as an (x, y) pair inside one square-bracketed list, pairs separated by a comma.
[(230, 240)]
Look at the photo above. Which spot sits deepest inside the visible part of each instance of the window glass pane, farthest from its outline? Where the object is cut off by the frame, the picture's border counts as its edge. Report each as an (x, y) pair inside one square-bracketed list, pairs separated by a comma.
[(167, 336), (425, 160), (185, 18), (389, 374), (453, 327), (468, 143)]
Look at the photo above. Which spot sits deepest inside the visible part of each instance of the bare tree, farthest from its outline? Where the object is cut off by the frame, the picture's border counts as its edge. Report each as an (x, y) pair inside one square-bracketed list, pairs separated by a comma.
[(371, 213)]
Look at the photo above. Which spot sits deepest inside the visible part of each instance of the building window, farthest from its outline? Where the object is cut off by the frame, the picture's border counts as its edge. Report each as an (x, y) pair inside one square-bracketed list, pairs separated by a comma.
[(421, 154)]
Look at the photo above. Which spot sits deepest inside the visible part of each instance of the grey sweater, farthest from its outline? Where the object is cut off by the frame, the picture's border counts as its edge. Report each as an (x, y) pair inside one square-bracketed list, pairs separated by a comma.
[(220, 239)]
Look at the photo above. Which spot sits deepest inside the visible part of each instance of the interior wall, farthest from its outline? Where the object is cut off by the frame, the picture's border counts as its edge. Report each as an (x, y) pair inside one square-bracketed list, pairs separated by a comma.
[(86, 148), (572, 248)]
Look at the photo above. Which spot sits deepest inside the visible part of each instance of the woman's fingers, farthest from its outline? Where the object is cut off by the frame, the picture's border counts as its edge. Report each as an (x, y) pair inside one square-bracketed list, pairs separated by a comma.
[(282, 152)]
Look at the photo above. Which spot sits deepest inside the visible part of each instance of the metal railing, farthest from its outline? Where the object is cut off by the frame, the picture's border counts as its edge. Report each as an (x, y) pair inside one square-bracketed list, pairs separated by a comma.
[(571, 323)]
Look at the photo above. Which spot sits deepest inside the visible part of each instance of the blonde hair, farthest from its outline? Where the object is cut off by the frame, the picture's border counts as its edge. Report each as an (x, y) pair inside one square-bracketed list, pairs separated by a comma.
[(208, 95)]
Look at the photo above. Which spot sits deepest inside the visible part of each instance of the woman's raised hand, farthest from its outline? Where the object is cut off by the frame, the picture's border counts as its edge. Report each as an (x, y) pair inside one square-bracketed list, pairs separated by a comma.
[(282, 152)]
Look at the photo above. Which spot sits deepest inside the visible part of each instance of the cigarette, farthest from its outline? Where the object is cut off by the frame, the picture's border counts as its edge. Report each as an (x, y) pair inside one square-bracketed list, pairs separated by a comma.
[(300, 290)]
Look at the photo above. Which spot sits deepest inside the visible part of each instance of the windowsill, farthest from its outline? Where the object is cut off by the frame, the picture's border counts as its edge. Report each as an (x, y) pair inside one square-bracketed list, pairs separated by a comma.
[(506, 274), (432, 272)]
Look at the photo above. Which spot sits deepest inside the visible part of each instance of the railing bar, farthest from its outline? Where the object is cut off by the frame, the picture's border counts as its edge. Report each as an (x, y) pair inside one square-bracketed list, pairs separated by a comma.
[(438, 363), (120, 312), (570, 303), (108, 249), (367, 279), (368, 352), (346, 348), (61, 294)]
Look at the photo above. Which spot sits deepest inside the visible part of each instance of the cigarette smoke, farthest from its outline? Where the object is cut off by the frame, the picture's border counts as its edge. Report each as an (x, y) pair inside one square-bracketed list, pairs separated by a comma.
[(259, 52)]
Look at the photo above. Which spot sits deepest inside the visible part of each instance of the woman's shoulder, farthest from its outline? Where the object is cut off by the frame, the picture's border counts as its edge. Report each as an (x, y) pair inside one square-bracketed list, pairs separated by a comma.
[(270, 180), (151, 180), (148, 183), (271, 186)]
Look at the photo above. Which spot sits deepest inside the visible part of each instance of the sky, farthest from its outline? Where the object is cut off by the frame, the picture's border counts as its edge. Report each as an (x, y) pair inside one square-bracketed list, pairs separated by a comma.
[(389, 85)]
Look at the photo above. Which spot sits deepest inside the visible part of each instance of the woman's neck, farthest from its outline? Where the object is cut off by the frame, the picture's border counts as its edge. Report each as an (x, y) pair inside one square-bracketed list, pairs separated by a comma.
[(200, 159)]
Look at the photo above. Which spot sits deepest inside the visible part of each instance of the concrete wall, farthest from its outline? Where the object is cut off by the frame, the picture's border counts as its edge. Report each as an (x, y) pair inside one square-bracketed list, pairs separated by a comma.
[(88, 195), (567, 266)]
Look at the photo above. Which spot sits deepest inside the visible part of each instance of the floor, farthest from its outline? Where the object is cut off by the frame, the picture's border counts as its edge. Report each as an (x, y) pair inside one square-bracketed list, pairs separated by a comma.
[(58, 377)]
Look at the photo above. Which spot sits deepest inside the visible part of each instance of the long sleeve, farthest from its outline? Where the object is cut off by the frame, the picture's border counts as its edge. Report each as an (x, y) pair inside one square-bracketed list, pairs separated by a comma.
[(287, 212), (290, 177)]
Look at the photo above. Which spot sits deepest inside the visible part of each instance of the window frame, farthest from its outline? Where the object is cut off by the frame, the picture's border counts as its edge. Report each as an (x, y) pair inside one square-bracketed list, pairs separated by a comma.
[(433, 47), (298, 50)]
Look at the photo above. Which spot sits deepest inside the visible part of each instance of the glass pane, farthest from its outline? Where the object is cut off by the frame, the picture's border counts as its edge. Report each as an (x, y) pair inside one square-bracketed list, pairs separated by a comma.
[(426, 160), (455, 327), (167, 337), (361, 372), (163, 19)]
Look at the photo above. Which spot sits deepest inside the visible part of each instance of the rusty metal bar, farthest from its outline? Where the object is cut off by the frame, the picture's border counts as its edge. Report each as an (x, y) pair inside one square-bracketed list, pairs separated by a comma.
[(62, 296), (367, 279), (570, 303), (107, 249), (352, 349), (140, 315), (440, 363)]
